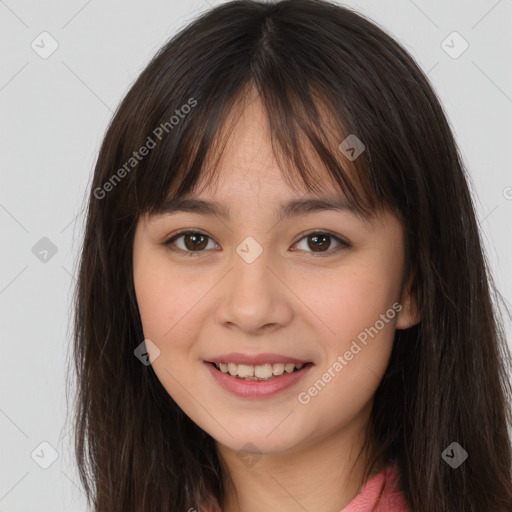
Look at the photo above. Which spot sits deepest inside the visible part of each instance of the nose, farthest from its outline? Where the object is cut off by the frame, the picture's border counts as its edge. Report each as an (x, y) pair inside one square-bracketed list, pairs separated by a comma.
[(254, 297)]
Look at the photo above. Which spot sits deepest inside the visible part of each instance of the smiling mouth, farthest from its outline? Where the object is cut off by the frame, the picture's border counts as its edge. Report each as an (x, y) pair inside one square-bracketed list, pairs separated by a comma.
[(267, 371)]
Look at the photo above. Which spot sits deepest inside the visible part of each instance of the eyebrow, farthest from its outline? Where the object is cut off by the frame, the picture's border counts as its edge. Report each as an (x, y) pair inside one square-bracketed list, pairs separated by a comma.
[(291, 208)]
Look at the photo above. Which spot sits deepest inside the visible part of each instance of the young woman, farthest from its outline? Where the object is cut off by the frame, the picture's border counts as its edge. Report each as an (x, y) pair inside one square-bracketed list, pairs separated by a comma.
[(283, 301)]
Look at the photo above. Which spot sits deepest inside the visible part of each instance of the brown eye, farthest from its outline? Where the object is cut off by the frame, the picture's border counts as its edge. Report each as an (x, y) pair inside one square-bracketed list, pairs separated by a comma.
[(320, 242), (193, 242)]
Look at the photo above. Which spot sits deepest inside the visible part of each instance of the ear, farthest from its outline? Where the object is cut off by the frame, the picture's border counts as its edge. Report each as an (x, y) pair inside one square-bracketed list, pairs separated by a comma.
[(409, 314)]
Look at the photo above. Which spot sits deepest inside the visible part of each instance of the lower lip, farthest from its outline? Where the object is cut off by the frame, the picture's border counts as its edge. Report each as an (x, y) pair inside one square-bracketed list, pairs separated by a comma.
[(256, 388)]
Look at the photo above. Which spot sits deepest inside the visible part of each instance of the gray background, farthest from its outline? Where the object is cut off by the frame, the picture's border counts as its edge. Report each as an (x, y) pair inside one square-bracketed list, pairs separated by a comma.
[(54, 114)]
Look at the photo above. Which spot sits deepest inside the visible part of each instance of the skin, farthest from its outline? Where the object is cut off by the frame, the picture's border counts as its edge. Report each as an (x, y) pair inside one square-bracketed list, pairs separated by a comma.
[(291, 301)]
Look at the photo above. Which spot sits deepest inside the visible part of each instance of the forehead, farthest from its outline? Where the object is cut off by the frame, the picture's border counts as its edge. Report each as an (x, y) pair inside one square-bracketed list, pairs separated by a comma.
[(247, 165), (245, 155)]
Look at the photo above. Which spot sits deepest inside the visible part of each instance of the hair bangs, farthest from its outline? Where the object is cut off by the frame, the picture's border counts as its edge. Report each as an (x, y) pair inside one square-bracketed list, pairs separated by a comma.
[(306, 140)]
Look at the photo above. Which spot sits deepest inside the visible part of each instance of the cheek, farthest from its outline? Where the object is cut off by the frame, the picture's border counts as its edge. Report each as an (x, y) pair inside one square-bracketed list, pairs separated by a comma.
[(162, 298), (153, 298), (357, 308), (172, 307), (351, 301)]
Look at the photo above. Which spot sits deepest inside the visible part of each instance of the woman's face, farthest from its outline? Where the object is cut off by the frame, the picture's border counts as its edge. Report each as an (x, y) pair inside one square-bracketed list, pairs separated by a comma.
[(269, 291)]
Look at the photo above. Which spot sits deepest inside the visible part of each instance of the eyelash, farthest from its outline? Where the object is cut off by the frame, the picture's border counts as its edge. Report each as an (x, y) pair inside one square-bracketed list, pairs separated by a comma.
[(191, 254)]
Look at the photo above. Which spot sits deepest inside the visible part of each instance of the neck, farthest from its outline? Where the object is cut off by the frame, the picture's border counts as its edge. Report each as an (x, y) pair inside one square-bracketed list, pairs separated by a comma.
[(320, 475)]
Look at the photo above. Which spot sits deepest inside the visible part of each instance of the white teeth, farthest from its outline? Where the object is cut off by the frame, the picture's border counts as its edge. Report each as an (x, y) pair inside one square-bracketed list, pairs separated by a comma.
[(259, 372), (263, 371), (278, 368), (289, 367), (244, 370)]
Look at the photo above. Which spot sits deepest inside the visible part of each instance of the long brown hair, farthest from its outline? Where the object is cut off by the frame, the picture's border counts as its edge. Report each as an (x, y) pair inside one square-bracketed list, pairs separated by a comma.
[(447, 377)]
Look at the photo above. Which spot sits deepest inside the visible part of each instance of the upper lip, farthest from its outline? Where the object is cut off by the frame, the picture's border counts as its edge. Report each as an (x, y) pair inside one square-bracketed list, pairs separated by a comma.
[(255, 359)]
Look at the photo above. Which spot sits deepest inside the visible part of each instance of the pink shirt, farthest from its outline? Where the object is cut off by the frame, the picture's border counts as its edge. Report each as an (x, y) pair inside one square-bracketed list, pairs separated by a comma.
[(391, 500)]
